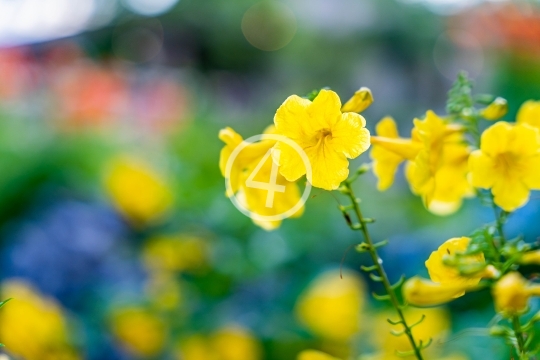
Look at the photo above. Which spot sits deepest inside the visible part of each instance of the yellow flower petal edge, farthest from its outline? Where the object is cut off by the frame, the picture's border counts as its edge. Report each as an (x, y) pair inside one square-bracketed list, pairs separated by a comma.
[(314, 355), (529, 113), (327, 136), (423, 292)]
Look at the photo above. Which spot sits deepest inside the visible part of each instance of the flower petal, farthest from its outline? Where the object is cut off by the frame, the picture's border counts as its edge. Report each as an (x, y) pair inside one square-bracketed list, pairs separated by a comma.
[(387, 127), (510, 193), (329, 167), (531, 177), (325, 110), (482, 169), (292, 118), (524, 140), (349, 135), (291, 166), (529, 113), (495, 139)]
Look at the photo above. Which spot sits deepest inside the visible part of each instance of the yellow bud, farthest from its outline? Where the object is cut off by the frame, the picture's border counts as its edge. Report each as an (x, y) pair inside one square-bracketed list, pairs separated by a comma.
[(531, 257), (512, 292), (496, 110), (359, 102), (314, 355), (423, 292)]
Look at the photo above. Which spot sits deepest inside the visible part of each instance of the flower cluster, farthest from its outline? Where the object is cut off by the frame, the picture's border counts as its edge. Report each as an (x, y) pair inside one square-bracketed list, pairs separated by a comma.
[(447, 159), (328, 133)]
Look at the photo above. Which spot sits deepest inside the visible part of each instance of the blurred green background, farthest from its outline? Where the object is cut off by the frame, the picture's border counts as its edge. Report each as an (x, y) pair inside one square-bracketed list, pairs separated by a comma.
[(117, 240)]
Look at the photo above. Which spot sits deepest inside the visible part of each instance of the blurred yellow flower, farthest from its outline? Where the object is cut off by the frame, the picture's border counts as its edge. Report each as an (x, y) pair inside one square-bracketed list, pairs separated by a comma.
[(439, 172), (423, 292), (229, 343), (137, 191), (359, 102), (449, 275), (33, 326), (436, 325), (437, 161), (512, 293), (529, 113), (314, 355), (496, 110), (235, 343), (254, 199), (181, 252), (389, 151), (327, 136), (508, 163), (330, 307), (139, 330)]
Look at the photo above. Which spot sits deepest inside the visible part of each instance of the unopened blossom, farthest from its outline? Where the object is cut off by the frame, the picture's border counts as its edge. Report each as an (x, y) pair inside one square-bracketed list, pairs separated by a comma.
[(496, 110), (512, 293), (422, 292), (359, 102)]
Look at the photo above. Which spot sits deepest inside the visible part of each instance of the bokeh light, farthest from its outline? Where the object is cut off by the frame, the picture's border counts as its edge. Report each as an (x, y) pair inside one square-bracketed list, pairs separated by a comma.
[(269, 25), (149, 7)]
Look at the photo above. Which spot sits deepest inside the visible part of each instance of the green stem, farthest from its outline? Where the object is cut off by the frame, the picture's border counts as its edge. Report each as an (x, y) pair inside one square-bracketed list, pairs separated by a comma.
[(519, 337), (377, 261), (498, 220)]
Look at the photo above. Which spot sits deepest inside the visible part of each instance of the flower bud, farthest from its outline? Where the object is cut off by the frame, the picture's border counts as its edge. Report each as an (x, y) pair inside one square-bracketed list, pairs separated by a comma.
[(359, 102), (496, 110), (423, 292), (512, 293), (498, 330), (530, 258)]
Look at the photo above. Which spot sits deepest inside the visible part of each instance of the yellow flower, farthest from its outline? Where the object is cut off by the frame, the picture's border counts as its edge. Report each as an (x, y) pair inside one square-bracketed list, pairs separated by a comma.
[(33, 326), (137, 190), (389, 151), (330, 307), (437, 161), (314, 355), (508, 163), (235, 343), (512, 293), (449, 275), (439, 171), (359, 102), (529, 113), (175, 253), (496, 110), (327, 136), (140, 331), (436, 325), (244, 165), (229, 343)]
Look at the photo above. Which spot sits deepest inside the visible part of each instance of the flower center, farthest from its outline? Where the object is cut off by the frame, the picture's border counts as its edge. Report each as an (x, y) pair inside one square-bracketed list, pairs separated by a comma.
[(323, 134), (507, 163)]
